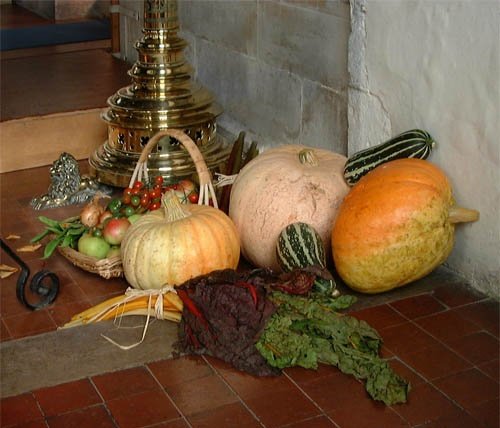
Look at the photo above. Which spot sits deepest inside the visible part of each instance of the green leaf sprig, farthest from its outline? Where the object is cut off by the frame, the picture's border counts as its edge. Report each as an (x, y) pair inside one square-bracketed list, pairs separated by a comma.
[(65, 233)]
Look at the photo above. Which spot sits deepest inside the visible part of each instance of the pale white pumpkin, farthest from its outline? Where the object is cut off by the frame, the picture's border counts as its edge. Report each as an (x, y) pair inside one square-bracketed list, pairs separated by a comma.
[(284, 185), (178, 242)]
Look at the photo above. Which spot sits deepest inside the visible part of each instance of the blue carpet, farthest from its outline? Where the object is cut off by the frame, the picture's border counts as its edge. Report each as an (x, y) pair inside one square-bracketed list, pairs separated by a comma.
[(55, 34)]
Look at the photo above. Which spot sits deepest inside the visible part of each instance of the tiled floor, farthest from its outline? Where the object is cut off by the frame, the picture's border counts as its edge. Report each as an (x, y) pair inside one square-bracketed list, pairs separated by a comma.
[(440, 335)]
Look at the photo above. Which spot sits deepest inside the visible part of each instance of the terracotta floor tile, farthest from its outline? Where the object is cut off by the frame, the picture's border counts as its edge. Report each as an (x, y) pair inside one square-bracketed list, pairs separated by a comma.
[(477, 347), (124, 382), (90, 417), (23, 227), (460, 419), (335, 391), (380, 317), (315, 422), (69, 291), (228, 416), (202, 394), (366, 414), (447, 326), (469, 388), (179, 370), (175, 423), (485, 313), (288, 407), (436, 361), (405, 338), (487, 413), (418, 306), (62, 313), (142, 409), (97, 288), (492, 369), (406, 372), (29, 324), (19, 409), (41, 423), (248, 386), (426, 404), (456, 295), (301, 375), (4, 332), (66, 397)]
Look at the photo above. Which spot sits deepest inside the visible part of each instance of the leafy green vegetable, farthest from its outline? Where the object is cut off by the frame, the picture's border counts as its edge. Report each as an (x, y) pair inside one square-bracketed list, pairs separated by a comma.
[(64, 233), (307, 331)]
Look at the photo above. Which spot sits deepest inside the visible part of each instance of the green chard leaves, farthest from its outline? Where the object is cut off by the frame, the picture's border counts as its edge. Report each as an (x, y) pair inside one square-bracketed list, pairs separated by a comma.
[(308, 331)]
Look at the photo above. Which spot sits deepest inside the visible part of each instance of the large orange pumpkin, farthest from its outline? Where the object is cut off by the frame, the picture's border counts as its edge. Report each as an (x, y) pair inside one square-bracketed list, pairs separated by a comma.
[(284, 185), (178, 242), (395, 226)]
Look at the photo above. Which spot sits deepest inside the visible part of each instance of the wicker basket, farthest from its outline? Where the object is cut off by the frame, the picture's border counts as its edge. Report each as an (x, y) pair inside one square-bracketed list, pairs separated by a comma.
[(107, 268), (112, 267)]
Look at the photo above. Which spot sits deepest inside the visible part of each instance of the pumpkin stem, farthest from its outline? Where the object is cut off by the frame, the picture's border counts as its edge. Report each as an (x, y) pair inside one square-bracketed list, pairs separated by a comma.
[(462, 215), (173, 207), (307, 156)]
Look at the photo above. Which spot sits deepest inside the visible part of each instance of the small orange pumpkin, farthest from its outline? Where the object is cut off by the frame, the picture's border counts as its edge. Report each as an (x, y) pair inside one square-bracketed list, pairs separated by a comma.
[(177, 243), (395, 226)]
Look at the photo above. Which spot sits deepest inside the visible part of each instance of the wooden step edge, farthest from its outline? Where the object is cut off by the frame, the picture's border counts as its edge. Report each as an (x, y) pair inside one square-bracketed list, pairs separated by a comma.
[(31, 142)]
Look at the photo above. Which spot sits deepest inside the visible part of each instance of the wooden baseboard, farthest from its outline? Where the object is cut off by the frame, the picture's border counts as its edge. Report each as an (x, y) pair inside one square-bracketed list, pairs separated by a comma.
[(56, 49), (37, 141)]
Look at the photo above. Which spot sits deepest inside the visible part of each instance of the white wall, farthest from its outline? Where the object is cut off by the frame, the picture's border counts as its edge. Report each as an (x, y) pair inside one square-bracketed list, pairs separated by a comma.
[(434, 64)]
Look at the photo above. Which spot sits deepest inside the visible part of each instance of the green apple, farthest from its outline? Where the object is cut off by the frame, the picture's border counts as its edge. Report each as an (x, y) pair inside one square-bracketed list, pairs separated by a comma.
[(93, 246), (134, 217), (113, 251)]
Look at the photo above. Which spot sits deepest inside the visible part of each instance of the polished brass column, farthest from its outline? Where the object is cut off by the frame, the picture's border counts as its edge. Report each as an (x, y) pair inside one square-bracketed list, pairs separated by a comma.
[(162, 95)]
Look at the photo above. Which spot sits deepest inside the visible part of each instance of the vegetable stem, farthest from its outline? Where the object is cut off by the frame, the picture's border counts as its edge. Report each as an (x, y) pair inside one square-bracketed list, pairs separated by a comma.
[(462, 215)]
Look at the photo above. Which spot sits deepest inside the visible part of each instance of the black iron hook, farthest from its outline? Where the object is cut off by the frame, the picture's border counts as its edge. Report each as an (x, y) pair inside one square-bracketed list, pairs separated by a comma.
[(44, 283)]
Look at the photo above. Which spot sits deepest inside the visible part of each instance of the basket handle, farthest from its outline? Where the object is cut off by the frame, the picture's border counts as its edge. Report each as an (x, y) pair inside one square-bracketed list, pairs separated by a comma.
[(204, 176)]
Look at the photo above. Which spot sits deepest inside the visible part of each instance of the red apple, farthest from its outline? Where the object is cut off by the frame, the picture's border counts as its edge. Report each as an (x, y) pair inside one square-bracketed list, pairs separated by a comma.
[(115, 230)]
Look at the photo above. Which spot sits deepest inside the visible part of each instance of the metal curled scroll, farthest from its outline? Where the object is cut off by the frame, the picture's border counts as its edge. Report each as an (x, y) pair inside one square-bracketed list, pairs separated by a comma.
[(43, 283)]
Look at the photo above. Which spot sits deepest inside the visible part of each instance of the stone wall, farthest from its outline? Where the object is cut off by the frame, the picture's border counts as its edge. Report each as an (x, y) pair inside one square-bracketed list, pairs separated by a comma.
[(278, 68)]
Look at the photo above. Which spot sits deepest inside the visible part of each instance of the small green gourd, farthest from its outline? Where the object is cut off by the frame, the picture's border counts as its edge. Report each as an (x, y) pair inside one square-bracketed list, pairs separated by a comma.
[(298, 246)]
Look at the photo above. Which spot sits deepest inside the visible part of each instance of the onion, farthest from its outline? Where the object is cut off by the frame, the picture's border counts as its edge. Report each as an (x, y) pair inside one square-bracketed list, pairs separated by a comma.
[(89, 216)]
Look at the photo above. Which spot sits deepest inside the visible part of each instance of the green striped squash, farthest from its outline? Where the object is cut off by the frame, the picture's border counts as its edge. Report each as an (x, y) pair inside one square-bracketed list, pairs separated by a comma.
[(298, 246), (410, 144)]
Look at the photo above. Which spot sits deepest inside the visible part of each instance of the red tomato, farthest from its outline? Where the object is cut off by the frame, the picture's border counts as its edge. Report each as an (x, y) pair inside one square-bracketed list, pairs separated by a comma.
[(159, 180), (193, 197), (154, 206), (155, 193), (138, 185), (127, 191)]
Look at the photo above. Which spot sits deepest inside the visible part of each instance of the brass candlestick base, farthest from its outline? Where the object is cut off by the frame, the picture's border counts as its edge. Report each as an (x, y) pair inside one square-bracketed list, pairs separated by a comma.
[(162, 95)]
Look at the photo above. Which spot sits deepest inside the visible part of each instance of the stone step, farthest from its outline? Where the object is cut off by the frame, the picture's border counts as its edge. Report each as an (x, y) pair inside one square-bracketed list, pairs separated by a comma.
[(52, 103)]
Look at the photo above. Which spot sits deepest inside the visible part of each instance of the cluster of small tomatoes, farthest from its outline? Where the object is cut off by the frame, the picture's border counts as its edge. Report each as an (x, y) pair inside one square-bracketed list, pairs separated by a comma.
[(142, 197)]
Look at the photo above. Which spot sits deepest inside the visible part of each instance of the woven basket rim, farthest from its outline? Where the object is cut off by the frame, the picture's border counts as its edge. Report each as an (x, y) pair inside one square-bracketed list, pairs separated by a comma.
[(107, 268)]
